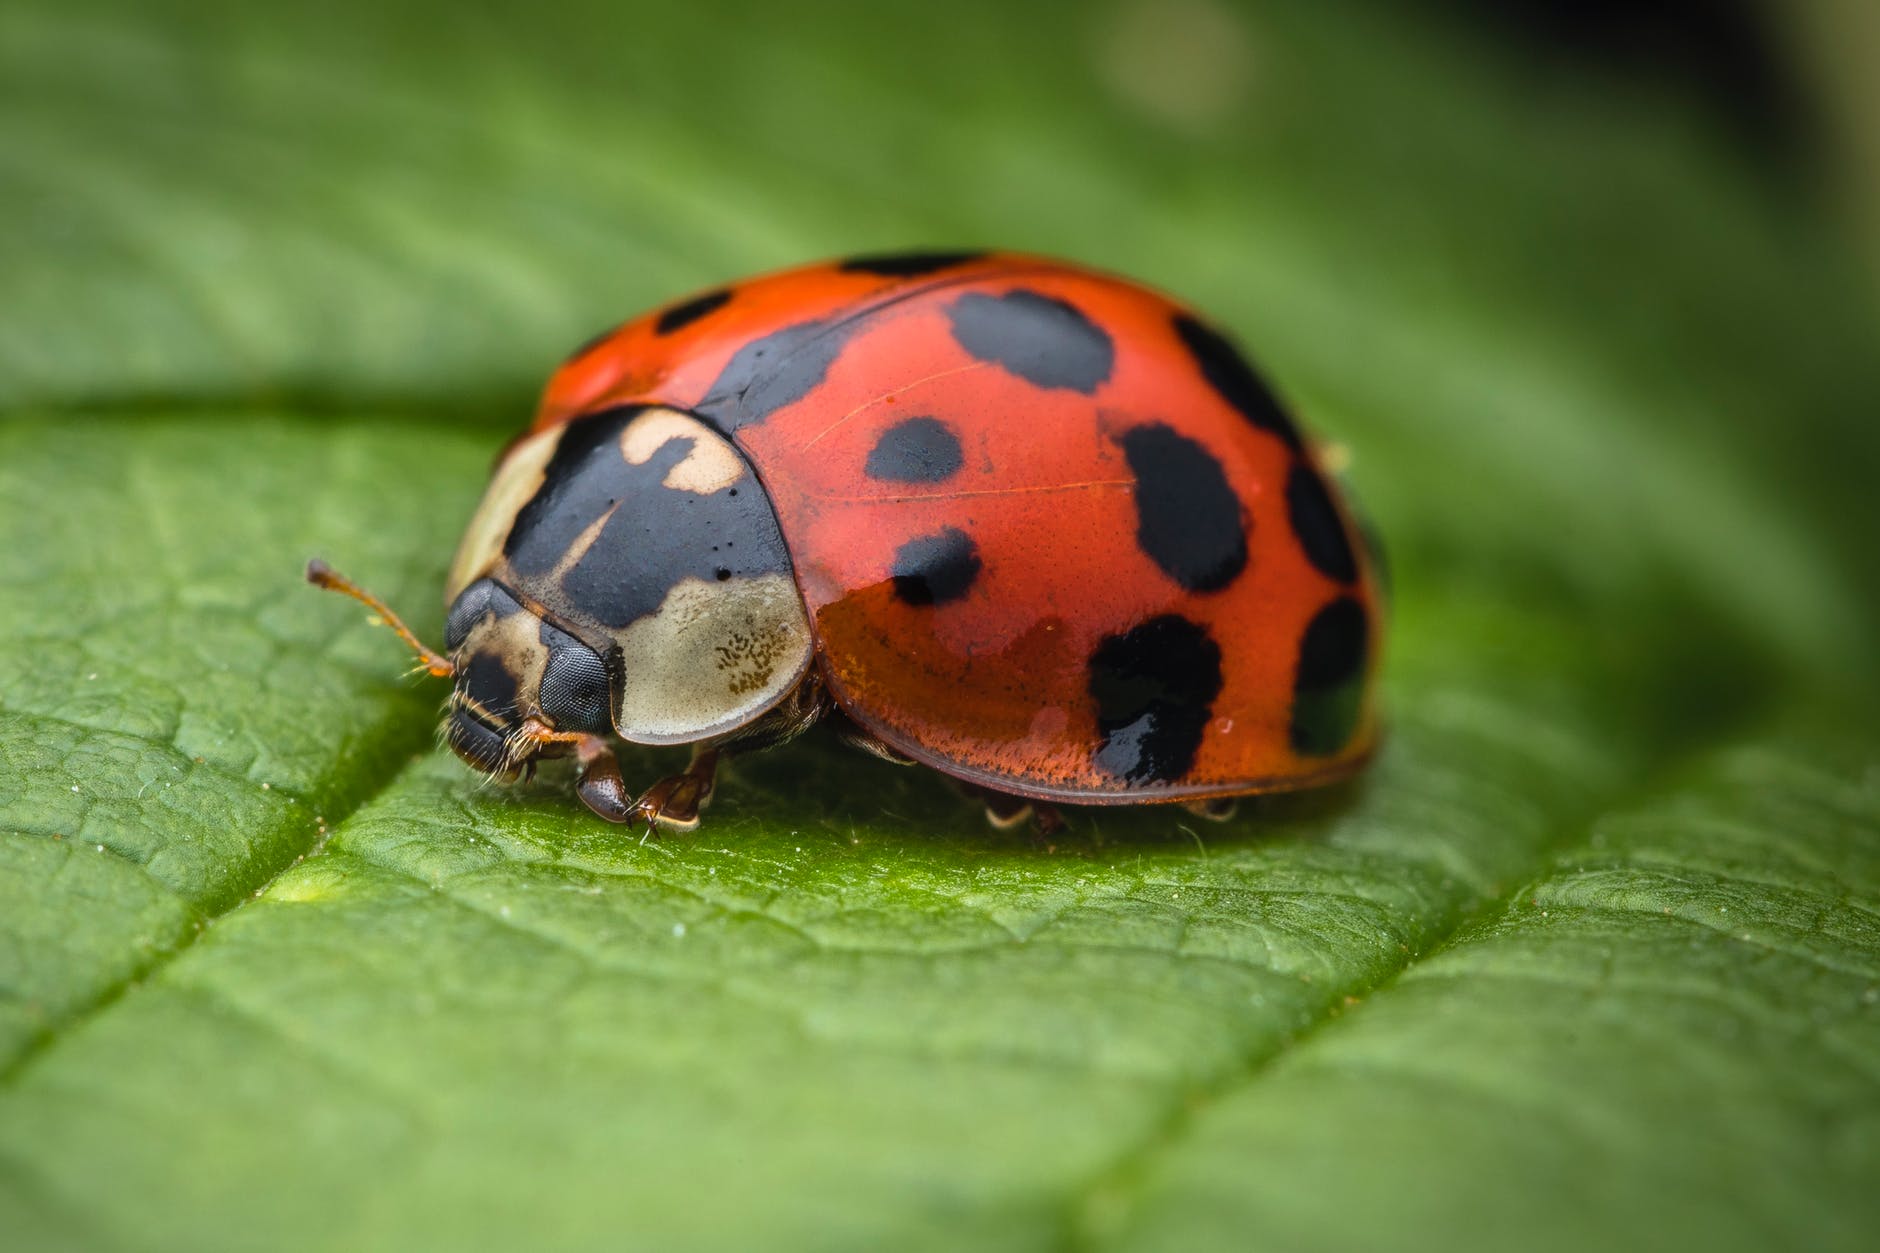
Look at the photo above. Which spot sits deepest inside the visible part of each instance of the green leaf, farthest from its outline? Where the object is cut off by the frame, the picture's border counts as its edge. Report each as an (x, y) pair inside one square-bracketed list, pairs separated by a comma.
[(1590, 958)]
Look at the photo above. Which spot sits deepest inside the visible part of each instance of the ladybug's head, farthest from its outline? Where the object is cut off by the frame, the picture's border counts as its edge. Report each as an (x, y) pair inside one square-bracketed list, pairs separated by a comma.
[(525, 688)]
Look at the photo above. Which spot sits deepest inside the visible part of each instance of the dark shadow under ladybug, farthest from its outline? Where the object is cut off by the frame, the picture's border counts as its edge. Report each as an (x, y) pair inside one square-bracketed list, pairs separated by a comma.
[(819, 784), (821, 788)]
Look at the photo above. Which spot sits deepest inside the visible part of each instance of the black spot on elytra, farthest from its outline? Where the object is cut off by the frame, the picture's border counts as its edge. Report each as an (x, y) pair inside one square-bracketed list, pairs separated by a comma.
[(935, 569), (654, 535), (679, 316), (1230, 375), (1315, 521), (574, 684), (1154, 687), (1328, 685), (907, 264), (769, 373), (1188, 519), (1041, 339), (916, 450)]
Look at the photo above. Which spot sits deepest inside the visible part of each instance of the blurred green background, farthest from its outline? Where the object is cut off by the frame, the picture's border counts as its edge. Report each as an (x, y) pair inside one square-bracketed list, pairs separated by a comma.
[(1590, 957)]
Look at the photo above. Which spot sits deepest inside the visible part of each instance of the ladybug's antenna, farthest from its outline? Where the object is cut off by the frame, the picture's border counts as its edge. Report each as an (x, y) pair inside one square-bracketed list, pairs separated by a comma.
[(322, 575)]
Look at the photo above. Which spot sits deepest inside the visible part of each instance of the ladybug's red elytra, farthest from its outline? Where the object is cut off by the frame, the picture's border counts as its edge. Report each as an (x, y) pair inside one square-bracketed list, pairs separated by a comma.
[(1036, 527)]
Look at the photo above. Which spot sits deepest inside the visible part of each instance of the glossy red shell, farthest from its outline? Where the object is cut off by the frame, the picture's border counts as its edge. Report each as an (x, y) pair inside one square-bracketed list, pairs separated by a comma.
[(1087, 657)]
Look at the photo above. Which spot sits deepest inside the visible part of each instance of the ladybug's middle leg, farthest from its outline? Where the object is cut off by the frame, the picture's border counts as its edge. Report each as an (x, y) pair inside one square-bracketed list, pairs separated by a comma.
[(1005, 811), (673, 804)]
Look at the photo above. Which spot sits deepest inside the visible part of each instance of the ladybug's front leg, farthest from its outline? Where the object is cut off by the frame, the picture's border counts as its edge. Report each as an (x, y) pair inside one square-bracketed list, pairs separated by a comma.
[(600, 787), (674, 803)]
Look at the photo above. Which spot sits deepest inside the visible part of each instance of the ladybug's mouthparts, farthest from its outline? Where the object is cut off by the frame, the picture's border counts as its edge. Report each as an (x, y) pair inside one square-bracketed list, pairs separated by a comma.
[(479, 744)]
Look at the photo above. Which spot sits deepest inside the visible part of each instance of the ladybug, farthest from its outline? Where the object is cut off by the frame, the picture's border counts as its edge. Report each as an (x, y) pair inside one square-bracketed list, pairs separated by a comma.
[(1036, 527)]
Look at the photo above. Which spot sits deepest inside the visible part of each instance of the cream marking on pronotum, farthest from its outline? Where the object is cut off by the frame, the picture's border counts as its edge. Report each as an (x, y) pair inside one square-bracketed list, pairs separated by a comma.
[(710, 466), (579, 549)]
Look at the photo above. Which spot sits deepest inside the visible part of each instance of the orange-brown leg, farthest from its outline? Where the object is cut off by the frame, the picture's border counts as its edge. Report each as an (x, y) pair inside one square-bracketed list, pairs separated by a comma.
[(600, 787), (674, 803)]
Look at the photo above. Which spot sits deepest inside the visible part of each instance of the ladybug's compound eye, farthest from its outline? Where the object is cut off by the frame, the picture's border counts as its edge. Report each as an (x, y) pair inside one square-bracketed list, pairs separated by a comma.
[(574, 685)]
